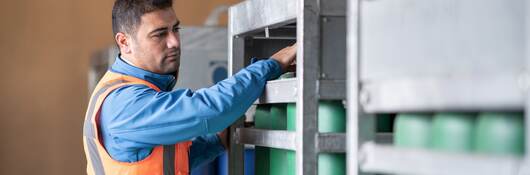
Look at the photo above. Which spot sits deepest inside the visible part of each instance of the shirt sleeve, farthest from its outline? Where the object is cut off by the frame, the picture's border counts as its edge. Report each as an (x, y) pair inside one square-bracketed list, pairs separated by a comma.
[(136, 116), (205, 149)]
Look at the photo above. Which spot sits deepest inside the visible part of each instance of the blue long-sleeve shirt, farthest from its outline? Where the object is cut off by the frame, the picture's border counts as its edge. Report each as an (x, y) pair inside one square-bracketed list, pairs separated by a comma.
[(136, 118)]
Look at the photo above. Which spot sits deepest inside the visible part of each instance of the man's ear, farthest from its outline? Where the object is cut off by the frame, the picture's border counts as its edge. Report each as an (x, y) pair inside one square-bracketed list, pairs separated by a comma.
[(123, 42)]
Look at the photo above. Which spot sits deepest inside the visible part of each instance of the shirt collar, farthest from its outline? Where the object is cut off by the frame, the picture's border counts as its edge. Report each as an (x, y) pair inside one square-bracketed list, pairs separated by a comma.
[(164, 82)]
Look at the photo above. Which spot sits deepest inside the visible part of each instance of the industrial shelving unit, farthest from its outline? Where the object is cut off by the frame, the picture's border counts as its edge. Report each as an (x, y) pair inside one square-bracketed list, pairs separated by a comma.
[(258, 28), (398, 56), (434, 56)]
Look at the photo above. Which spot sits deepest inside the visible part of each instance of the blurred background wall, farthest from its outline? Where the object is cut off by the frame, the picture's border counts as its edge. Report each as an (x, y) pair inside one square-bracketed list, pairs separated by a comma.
[(45, 46)]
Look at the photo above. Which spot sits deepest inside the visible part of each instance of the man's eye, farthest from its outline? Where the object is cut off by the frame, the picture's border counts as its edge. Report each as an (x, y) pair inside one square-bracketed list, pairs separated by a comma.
[(158, 35), (176, 29)]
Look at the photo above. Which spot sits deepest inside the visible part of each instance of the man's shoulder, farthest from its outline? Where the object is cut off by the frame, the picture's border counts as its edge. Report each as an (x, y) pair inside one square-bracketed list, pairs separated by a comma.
[(127, 92), (131, 89)]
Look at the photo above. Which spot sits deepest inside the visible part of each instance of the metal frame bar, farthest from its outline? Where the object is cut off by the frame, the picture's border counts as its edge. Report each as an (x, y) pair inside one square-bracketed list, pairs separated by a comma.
[(286, 91), (267, 138), (331, 142), (279, 91), (388, 159), (526, 85), (444, 93), (236, 153), (262, 13), (333, 8), (352, 89), (307, 71), (332, 89), (236, 56)]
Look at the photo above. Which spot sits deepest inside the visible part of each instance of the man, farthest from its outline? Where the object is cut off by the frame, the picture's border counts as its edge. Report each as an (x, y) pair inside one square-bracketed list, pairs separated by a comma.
[(136, 124)]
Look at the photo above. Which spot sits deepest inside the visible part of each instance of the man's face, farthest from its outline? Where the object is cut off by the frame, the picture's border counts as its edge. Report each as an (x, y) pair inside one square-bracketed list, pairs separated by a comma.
[(156, 45)]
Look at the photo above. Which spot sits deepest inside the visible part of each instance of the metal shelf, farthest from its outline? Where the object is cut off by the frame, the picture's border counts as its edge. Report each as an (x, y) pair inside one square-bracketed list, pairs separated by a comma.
[(266, 138), (279, 91), (459, 93), (285, 91), (326, 142), (257, 14), (388, 159)]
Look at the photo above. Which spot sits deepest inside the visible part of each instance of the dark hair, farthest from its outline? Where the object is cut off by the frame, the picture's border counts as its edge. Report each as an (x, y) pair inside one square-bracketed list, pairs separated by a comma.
[(126, 14)]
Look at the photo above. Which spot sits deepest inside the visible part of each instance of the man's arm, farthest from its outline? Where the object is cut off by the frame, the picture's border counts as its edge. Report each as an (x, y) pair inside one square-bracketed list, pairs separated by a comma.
[(206, 148), (142, 117)]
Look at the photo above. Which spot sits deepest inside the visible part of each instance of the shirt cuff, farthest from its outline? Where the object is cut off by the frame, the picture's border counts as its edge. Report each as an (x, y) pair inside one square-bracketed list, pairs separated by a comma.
[(275, 67)]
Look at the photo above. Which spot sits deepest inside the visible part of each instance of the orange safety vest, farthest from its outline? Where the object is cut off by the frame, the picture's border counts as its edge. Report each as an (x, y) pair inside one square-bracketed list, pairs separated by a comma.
[(163, 160)]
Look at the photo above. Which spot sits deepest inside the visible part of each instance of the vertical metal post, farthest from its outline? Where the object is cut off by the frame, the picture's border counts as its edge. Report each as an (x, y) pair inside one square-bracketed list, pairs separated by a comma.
[(236, 59), (526, 76), (352, 88), (236, 158), (308, 55), (360, 127)]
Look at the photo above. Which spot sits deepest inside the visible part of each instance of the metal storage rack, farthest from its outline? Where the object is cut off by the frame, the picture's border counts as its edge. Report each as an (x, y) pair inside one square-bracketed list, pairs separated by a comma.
[(258, 28), (437, 55)]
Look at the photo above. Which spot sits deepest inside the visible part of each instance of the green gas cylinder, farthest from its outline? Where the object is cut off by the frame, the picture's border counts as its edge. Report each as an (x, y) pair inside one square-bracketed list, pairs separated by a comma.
[(384, 122), (262, 157), (287, 75), (291, 126), (278, 117), (279, 157), (291, 116), (500, 133), (453, 132), (279, 161), (262, 117), (331, 118), (412, 130)]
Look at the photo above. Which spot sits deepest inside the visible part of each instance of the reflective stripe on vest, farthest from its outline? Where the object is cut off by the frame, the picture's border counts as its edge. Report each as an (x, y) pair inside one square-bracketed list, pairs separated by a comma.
[(167, 160)]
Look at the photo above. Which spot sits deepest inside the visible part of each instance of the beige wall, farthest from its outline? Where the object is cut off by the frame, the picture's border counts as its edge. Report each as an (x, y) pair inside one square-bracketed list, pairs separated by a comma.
[(45, 46)]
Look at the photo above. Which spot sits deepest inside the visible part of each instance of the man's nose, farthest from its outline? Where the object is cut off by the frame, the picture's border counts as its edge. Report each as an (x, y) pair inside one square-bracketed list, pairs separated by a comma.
[(173, 40)]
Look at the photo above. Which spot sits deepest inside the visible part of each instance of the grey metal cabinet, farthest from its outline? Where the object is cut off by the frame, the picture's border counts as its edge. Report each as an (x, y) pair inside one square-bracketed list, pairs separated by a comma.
[(432, 56)]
